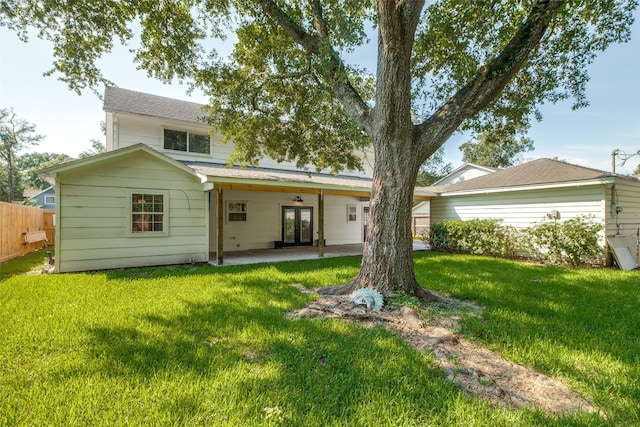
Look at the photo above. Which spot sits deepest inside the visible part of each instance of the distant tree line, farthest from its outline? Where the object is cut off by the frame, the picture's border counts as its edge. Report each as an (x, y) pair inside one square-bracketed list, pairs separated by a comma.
[(20, 170)]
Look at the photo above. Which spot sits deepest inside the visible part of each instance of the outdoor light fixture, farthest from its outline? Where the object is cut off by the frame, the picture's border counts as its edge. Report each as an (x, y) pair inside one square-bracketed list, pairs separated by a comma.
[(298, 199)]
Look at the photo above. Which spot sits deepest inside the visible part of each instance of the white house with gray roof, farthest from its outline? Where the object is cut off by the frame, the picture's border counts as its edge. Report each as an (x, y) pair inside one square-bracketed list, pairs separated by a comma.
[(529, 193), (162, 194)]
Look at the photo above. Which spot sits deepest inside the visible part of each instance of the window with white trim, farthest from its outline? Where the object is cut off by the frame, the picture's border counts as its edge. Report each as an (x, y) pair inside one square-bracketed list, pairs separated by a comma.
[(352, 214), (148, 213), (190, 142), (236, 211), (49, 200)]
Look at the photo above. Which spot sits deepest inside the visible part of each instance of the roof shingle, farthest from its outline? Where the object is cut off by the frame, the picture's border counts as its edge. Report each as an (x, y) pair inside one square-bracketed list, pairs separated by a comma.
[(129, 101), (264, 174), (536, 172)]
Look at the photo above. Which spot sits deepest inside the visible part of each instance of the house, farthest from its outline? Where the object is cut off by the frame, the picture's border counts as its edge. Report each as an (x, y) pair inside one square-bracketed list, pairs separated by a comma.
[(532, 192), (161, 194), (420, 213), (45, 199)]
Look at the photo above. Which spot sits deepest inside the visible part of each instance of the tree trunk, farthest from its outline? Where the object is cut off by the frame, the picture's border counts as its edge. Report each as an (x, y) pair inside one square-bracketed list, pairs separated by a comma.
[(387, 262), (10, 177)]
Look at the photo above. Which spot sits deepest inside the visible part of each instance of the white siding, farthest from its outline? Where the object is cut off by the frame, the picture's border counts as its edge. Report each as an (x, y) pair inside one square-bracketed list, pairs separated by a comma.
[(264, 219), (422, 208), (128, 130), (625, 195), (522, 208), (95, 219), (465, 173)]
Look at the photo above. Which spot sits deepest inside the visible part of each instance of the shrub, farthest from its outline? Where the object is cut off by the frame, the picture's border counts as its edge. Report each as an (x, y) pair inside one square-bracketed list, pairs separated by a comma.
[(476, 236), (575, 241)]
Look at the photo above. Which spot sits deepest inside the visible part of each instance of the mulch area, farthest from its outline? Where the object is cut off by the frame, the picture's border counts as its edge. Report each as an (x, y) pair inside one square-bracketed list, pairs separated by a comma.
[(475, 369)]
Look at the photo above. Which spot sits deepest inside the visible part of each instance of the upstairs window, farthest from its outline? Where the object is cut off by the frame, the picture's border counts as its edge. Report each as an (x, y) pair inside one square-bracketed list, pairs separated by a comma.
[(148, 213), (187, 141)]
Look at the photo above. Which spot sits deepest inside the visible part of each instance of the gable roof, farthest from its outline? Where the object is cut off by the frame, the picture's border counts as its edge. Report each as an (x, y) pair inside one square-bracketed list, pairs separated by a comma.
[(540, 172), (51, 172), (129, 101), (29, 193), (33, 193), (464, 167)]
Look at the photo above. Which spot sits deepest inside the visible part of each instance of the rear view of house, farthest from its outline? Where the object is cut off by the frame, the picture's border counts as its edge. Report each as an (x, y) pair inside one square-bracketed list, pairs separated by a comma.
[(162, 194)]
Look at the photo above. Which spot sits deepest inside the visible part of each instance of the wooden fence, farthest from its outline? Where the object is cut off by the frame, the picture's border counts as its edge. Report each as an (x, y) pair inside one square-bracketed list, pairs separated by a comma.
[(420, 225), (16, 222)]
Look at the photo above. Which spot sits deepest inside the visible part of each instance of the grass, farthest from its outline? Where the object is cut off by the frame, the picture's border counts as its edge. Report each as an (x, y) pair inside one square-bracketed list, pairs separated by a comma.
[(188, 345), (27, 263)]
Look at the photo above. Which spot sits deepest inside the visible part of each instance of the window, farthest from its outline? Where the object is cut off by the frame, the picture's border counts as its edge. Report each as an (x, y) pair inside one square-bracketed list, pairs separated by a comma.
[(186, 141), (49, 200), (237, 211), (148, 213), (351, 213)]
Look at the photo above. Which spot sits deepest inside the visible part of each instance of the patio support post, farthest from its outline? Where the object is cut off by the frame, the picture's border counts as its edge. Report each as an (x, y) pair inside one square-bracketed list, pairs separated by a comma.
[(219, 223), (321, 225)]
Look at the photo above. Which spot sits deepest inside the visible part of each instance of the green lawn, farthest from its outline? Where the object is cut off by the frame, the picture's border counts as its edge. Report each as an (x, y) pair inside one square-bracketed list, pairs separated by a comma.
[(210, 346)]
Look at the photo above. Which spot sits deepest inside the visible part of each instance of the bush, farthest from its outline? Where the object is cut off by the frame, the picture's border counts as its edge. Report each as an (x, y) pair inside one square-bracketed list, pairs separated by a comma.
[(476, 236), (575, 241)]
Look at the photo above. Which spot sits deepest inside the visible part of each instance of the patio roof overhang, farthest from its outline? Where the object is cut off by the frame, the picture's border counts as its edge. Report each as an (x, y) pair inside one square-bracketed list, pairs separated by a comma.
[(219, 177)]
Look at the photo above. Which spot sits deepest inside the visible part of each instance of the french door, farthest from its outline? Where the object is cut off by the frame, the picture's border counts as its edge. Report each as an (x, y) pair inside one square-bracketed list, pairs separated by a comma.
[(297, 225)]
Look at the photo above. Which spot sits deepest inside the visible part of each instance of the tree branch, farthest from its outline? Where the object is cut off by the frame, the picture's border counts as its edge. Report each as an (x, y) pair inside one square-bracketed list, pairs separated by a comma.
[(320, 47), (320, 23), (489, 81)]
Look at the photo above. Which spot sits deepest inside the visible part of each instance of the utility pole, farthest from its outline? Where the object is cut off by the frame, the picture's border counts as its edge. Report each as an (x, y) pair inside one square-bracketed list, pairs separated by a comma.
[(622, 156)]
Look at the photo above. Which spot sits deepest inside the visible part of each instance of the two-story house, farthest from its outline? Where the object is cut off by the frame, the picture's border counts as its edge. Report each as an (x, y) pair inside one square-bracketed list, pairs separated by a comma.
[(161, 194)]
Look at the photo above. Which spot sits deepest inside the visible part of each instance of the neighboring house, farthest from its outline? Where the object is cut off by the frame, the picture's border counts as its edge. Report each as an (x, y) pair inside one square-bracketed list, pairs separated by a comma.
[(45, 199), (532, 192), (161, 194)]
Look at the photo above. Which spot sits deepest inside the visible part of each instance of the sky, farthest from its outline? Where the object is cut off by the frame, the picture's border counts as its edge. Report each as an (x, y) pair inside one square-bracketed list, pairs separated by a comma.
[(585, 137)]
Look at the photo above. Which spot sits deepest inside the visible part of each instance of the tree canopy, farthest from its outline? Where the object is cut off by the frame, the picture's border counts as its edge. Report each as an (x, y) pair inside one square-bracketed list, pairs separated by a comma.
[(287, 91), (15, 135), (286, 84), (433, 169), (495, 149), (30, 164), (97, 147)]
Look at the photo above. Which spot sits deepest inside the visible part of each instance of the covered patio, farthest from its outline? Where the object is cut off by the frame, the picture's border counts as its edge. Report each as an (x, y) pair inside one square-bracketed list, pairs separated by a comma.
[(297, 253)]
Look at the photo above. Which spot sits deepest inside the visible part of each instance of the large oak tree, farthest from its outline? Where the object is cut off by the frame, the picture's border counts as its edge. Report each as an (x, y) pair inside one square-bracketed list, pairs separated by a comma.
[(287, 91)]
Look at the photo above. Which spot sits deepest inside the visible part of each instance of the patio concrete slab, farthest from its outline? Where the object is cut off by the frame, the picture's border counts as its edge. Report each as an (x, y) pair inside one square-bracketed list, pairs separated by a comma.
[(297, 253)]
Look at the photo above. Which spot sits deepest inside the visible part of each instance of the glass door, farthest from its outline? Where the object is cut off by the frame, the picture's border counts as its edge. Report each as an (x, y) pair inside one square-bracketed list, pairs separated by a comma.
[(297, 225)]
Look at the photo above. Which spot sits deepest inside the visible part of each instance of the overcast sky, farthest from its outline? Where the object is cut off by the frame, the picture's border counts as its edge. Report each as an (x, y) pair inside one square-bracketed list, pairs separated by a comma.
[(585, 137)]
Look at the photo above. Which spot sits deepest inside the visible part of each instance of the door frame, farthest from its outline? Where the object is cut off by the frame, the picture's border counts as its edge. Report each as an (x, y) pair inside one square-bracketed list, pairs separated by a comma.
[(297, 225)]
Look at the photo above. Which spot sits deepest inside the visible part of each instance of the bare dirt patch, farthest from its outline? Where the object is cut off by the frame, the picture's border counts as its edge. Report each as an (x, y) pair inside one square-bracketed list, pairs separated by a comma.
[(475, 369)]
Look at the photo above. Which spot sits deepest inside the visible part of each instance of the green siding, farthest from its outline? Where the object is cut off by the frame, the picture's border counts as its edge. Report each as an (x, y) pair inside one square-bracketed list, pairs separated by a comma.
[(94, 219)]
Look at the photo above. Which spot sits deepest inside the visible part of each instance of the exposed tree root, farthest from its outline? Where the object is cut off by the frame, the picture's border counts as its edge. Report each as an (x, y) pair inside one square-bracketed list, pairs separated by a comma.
[(347, 288), (476, 370), (335, 290)]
